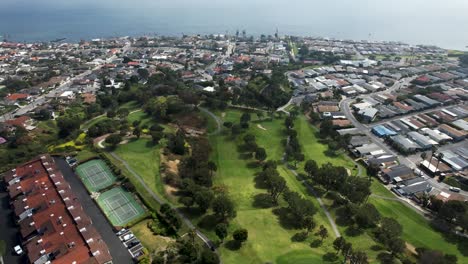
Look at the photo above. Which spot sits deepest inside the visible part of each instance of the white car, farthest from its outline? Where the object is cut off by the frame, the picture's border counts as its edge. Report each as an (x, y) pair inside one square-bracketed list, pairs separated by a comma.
[(127, 237), (18, 250)]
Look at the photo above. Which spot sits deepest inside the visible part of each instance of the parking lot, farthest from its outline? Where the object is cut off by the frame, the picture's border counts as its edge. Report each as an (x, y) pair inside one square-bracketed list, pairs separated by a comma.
[(9, 230), (134, 246)]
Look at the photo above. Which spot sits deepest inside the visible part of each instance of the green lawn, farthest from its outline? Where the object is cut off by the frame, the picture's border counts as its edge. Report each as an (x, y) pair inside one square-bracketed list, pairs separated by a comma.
[(141, 116), (143, 157), (416, 229), (268, 240), (315, 150)]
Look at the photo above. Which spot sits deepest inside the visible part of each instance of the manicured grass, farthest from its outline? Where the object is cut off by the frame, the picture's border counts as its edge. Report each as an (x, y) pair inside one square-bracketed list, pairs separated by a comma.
[(85, 154), (416, 229), (143, 157), (315, 150), (94, 121), (153, 243), (268, 240), (141, 116)]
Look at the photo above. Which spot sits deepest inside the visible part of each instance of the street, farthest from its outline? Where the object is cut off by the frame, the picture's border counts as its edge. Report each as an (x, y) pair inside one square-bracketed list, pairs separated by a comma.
[(10, 232)]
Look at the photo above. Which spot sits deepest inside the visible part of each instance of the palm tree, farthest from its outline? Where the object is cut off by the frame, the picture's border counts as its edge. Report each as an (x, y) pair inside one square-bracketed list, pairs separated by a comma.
[(439, 158), (423, 156)]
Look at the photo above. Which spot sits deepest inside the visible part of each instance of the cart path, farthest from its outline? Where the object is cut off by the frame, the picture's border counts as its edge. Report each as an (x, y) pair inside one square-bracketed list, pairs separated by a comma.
[(160, 200)]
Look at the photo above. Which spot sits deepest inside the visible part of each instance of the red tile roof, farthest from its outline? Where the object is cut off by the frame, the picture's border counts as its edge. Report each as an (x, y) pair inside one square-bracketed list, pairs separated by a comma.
[(51, 218), (17, 96), (19, 121)]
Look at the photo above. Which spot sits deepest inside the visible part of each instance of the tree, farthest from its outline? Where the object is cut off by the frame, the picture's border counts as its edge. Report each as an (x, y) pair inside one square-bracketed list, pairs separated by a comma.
[(221, 231), (276, 185), (346, 250), (338, 243), (114, 140), (156, 136), (123, 113), (137, 132), (260, 115), (212, 167), (358, 257), (209, 257), (396, 246), (323, 232), (298, 157), (204, 199), (298, 206), (67, 125), (235, 129), (143, 73), (260, 154), (223, 207), (240, 235), (288, 122), (227, 124), (367, 216), (308, 224), (176, 143), (389, 229), (187, 201), (245, 118), (310, 168), (427, 256), (356, 189)]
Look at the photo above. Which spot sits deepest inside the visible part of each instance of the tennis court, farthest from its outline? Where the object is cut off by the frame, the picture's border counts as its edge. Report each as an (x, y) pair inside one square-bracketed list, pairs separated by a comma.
[(95, 175), (120, 206)]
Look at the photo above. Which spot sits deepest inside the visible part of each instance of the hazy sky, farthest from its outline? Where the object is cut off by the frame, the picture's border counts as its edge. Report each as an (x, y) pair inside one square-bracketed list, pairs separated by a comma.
[(443, 22)]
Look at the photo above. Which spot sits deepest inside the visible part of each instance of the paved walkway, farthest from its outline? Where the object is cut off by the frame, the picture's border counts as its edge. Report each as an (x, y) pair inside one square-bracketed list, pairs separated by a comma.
[(216, 118), (322, 205), (119, 252), (160, 200)]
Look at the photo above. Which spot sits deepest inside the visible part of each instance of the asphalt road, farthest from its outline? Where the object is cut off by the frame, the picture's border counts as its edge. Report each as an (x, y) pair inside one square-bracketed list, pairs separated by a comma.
[(119, 252), (9, 230)]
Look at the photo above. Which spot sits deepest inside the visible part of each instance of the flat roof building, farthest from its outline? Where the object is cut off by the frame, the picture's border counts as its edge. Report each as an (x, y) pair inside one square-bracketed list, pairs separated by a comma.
[(456, 134), (404, 144), (436, 135), (422, 140)]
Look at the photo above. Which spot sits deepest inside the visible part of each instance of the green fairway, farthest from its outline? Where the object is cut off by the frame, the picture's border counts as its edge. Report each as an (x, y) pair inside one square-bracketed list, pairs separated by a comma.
[(143, 157), (268, 240), (416, 229), (315, 150), (139, 115)]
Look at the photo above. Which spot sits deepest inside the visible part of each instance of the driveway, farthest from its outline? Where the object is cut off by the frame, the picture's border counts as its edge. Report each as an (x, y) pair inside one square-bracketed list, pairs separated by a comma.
[(9, 230), (120, 254)]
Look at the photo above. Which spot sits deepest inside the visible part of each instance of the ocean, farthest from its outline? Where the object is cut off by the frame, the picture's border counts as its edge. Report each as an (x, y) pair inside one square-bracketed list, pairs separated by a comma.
[(432, 22)]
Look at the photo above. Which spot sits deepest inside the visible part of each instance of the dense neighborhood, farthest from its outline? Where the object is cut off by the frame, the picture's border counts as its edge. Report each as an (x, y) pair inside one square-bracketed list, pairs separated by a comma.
[(233, 149)]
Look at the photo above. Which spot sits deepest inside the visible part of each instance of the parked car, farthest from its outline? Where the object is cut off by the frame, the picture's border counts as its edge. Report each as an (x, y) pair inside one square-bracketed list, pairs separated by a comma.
[(18, 250), (454, 189), (127, 237)]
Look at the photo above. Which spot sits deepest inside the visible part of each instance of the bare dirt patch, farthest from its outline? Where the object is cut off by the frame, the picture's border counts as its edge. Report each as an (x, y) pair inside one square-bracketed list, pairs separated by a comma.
[(261, 127)]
